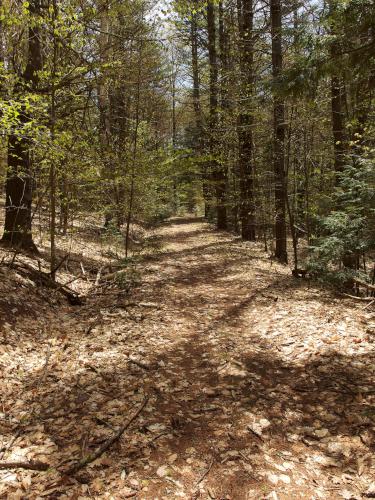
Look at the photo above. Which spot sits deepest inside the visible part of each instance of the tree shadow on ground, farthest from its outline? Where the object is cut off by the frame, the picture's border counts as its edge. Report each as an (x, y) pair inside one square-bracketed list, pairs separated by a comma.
[(216, 411), (212, 381), (165, 239)]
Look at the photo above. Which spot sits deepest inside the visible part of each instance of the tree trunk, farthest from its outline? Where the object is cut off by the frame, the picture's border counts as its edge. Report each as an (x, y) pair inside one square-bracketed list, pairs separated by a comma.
[(218, 174), (246, 120), (225, 105), (199, 132), (104, 106), (279, 135), (52, 173), (174, 124), (64, 205), (338, 122), (19, 181), (134, 152)]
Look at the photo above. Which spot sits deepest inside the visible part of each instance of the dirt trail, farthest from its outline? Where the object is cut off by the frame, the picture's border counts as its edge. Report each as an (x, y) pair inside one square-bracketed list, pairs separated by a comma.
[(261, 385)]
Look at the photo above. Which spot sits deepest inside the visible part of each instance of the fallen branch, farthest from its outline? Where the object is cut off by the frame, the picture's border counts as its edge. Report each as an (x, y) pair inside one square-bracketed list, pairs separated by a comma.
[(364, 284), (362, 299), (64, 285), (135, 361), (100, 421), (98, 275), (271, 297), (112, 276), (149, 305), (102, 449), (96, 322), (205, 474), (245, 458), (41, 466), (57, 267), (257, 434), (45, 278)]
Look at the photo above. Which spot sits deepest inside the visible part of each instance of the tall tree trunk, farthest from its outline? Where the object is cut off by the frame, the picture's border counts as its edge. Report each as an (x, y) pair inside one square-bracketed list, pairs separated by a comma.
[(246, 120), (195, 70), (174, 123), (2, 52), (199, 132), (135, 151), (218, 174), (19, 181), (349, 260), (52, 173), (104, 106), (337, 104), (225, 144), (279, 135), (64, 205)]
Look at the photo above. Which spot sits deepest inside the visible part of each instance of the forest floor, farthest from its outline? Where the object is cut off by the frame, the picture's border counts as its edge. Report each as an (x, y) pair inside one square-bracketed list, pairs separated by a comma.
[(260, 385)]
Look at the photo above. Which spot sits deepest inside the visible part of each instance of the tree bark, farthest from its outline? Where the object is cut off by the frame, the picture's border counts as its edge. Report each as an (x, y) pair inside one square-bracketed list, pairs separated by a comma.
[(218, 174), (279, 135), (246, 120), (104, 106), (337, 99), (19, 181), (199, 131)]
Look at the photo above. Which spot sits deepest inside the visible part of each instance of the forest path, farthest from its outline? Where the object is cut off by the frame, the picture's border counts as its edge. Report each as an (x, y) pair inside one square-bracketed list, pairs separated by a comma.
[(262, 381), (263, 374)]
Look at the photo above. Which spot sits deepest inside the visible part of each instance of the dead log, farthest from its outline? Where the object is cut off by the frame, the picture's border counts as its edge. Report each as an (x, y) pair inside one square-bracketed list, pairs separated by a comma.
[(38, 277)]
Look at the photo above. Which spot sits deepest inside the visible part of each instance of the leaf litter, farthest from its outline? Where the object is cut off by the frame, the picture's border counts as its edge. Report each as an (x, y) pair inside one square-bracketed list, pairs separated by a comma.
[(260, 385)]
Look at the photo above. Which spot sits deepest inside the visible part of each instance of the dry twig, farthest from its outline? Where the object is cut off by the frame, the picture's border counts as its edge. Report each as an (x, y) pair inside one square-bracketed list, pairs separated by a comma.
[(139, 363), (102, 449), (41, 466), (205, 474)]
